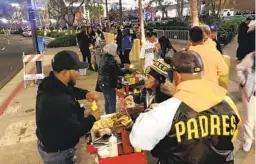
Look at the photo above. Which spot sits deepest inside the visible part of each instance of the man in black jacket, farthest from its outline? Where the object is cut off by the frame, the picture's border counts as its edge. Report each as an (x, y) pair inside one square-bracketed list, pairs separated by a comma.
[(242, 39), (59, 116), (84, 44)]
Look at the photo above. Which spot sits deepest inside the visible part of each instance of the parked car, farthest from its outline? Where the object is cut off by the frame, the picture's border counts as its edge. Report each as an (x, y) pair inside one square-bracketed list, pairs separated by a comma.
[(27, 33)]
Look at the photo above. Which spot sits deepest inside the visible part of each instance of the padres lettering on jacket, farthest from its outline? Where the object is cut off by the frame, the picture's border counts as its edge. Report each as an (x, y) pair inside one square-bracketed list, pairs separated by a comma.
[(204, 126)]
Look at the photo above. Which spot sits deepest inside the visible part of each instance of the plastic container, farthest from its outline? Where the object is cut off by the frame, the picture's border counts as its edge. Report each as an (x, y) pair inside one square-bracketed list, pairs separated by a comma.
[(82, 72), (113, 147)]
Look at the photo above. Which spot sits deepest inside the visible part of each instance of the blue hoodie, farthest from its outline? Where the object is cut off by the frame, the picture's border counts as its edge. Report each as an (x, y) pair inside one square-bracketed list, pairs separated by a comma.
[(126, 43)]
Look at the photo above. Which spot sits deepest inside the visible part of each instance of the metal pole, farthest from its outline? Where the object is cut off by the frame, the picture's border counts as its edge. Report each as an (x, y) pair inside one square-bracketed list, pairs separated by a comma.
[(32, 19)]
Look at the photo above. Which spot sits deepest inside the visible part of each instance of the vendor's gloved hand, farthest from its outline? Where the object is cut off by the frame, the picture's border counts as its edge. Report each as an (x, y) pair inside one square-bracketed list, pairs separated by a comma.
[(168, 88), (128, 100)]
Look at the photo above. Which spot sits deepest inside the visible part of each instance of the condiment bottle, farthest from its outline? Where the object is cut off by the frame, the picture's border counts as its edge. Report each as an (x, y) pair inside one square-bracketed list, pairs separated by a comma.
[(113, 149)]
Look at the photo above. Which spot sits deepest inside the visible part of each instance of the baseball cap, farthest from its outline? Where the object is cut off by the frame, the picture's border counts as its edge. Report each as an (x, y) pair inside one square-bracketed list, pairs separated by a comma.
[(213, 28), (67, 60), (187, 61)]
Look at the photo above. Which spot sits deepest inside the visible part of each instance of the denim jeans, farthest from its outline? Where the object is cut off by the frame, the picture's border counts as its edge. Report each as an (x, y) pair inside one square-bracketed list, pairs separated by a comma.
[(60, 157), (110, 99)]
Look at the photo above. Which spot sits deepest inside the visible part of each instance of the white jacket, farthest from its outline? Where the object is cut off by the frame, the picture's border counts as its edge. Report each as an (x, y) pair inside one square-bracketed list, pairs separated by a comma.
[(246, 73)]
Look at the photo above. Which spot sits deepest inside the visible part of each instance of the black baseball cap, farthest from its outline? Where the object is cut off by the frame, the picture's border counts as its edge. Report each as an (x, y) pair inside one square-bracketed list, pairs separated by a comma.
[(67, 60), (187, 61)]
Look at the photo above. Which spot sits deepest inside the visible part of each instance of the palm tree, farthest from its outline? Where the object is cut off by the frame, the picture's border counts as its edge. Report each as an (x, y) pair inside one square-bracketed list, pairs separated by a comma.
[(194, 13)]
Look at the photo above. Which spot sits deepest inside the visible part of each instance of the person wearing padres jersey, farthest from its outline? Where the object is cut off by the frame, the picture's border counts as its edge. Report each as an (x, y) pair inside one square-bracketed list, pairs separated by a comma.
[(148, 51), (196, 126)]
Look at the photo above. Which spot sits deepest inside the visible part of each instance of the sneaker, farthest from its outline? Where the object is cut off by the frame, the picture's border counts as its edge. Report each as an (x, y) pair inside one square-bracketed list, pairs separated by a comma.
[(247, 146)]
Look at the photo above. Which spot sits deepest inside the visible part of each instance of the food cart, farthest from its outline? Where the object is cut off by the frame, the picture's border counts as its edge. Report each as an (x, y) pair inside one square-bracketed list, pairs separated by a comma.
[(99, 145)]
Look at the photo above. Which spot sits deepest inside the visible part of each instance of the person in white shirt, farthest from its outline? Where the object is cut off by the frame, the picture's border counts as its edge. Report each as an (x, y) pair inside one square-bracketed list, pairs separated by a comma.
[(148, 50), (246, 74)]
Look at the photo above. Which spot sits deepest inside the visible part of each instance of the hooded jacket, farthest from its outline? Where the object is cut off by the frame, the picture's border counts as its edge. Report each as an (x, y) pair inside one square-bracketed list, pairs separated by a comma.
[(108, 72), (126, 43), (196, 126), (214, 64), (59, 117)]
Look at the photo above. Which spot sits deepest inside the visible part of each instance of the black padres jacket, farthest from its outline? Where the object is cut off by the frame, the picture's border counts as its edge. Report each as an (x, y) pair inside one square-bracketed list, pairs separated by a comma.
[(196, 126)]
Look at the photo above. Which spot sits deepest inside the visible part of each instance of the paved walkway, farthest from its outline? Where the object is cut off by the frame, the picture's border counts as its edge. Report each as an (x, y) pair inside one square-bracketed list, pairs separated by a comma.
[(17, 124)]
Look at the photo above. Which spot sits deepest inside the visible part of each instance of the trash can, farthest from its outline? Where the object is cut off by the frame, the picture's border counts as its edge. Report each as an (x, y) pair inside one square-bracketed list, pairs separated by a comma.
[(41, 43)]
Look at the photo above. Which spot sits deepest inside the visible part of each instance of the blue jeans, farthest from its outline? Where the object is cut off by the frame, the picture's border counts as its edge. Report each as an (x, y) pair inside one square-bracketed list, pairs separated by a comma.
[(110, 99), (60, 157)]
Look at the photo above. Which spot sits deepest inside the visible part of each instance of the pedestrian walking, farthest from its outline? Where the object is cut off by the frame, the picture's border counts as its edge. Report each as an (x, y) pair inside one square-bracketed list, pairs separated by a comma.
[(119, 39), (214, 37), (214, 64), (183, 129), (246, 74), (60, 117), (92, 35), (207, 36), (251, 36), (84, 44), (126, 48), (243, 46)]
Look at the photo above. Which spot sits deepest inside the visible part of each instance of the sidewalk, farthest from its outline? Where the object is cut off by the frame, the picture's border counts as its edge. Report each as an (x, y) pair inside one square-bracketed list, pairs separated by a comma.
[(17, 124)]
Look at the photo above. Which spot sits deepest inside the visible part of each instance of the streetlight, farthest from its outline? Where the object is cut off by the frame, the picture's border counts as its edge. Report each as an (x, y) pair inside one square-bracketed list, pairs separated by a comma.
[(53, 20), (4, 21), (15, 5)]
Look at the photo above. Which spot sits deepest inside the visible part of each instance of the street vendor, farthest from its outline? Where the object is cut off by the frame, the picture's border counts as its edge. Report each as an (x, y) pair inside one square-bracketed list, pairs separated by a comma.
[(155, 76), (60, 117), (197, 125)]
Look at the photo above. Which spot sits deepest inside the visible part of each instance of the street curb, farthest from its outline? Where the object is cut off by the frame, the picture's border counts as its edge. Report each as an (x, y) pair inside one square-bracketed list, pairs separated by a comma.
[(6, 102), (13, 93)]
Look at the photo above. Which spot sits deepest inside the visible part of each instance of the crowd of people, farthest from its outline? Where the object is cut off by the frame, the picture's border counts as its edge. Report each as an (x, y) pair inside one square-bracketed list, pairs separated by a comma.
[(188, 116)]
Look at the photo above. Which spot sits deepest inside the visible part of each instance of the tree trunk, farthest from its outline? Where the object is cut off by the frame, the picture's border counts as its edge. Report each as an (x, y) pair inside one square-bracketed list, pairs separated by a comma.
[(106, 3), (194, 13), (166, 13), (120, 12), (142, 31), (221, 6), (181, 7), (178, 8), (162, 14)]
